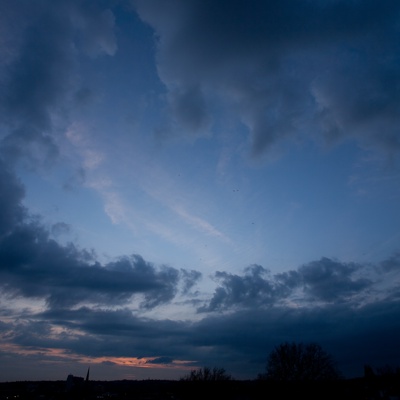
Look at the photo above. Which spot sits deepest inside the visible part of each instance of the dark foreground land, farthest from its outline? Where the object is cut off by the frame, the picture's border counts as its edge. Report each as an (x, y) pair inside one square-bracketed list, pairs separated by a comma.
[(182, 390)]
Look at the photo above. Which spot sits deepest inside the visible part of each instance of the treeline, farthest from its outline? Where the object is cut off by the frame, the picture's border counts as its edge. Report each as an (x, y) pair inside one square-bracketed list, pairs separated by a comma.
[(306, 370), (353, 389)]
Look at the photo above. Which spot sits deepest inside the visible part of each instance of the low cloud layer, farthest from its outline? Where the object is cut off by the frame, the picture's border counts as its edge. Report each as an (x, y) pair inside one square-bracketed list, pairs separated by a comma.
[(238, 341)]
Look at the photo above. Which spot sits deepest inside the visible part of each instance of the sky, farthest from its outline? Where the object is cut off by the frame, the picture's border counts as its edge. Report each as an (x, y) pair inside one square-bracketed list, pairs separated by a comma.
[(190, 183)]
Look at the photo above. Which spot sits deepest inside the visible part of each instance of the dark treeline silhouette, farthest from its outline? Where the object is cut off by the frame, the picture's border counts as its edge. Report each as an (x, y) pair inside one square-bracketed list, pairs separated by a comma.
[(293, 370), (299, 362), (346, 389), (207, 374)]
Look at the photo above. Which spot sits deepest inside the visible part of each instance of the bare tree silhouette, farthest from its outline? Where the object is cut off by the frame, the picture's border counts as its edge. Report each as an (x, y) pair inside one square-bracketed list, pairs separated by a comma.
[(207, 374), (299, 362)]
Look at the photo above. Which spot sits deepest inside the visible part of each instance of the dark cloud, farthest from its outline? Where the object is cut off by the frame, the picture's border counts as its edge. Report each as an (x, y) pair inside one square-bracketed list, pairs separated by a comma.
[(60, 228), (161, 360), (33, 265), (91, 332), (11, 194), (324, 280), (392, 263), (284, 68), (190, 107), (189, 279), (240, 341), (40, 77), (250, 335), (254, 288), (330, 280)]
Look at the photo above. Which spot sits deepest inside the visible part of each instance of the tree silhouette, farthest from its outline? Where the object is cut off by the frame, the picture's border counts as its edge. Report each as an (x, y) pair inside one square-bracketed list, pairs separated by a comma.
[(298, 362), (207, 374)]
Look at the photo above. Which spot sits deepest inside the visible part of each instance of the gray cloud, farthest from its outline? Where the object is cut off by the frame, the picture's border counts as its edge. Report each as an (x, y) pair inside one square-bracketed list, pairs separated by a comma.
[(254, 288), (239, 341), (40, 75), (33, 265), (117, 333), (329, 69), (190, 108), (189, 279), (60, 228), (330, 280), (324, 280), (12, 192), (391, 264), (161, 360)]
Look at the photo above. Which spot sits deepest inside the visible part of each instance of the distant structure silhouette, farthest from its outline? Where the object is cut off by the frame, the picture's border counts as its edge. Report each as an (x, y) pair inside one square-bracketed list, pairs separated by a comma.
[(77, 387), (73, 382)]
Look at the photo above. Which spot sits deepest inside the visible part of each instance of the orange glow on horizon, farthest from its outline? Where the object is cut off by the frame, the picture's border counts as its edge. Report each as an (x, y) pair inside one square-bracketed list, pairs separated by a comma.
[(55, 354)]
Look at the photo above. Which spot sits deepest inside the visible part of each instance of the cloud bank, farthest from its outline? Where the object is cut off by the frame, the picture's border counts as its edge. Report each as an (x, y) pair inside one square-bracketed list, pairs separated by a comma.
[(287, 70)]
